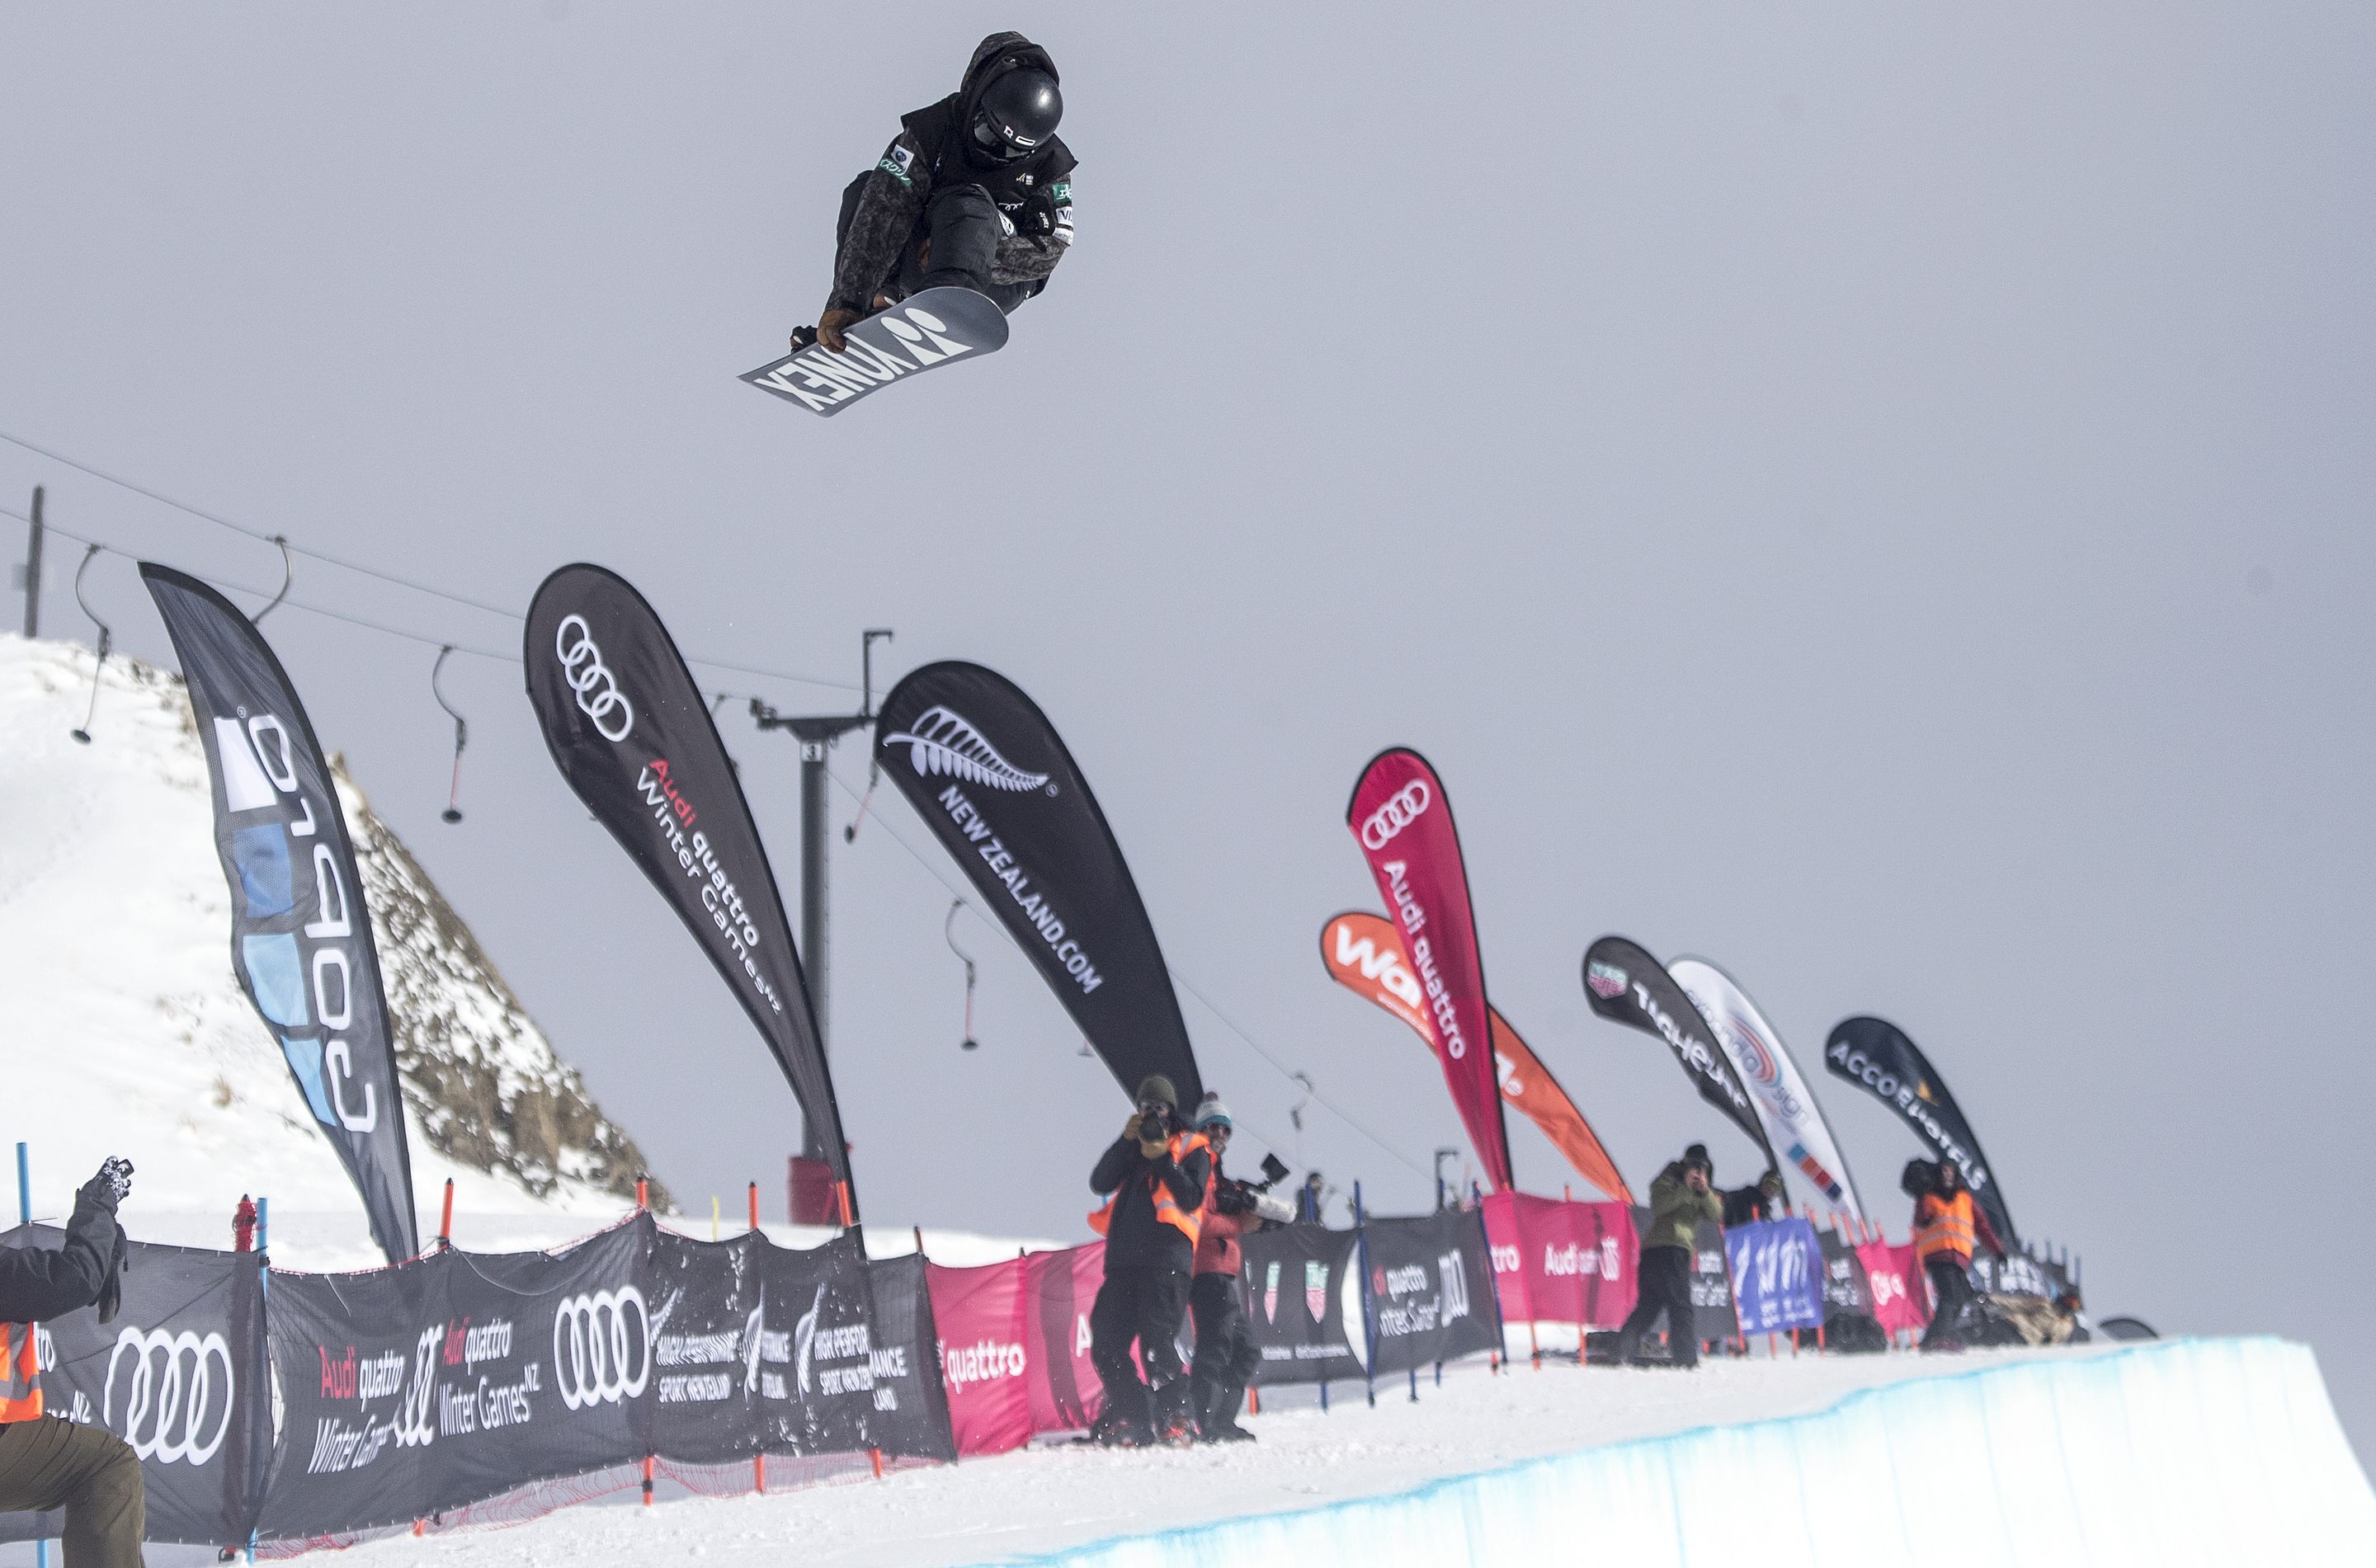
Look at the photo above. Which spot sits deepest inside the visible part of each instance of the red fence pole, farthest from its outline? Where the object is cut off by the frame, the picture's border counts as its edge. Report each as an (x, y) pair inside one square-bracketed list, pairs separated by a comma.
[(446, 1219), (755, 1206)]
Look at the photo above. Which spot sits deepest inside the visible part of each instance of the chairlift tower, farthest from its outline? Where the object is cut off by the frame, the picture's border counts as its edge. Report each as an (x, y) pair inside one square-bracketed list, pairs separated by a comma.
[(816, 735)]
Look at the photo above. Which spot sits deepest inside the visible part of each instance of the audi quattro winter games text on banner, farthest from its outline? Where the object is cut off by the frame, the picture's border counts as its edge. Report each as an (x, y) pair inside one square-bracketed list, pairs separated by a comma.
[(632, 735)]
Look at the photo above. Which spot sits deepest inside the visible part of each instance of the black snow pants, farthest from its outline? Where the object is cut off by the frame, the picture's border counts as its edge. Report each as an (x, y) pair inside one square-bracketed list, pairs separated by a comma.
[(1665, 1276), (1226, 1356), (1954, 1288), (1144, 1305), (961, 222)]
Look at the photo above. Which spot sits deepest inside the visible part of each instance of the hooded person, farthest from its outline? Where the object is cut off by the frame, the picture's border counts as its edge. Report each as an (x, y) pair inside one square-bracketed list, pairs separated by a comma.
[(1225, 1353), (1682, 1196), (975, 192), (1154, 1179)]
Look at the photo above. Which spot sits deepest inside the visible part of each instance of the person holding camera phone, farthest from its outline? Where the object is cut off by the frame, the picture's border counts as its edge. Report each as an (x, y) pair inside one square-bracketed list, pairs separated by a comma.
[(45, 1463), (1680, 1197), (1154, 1178), (1226, 1354)]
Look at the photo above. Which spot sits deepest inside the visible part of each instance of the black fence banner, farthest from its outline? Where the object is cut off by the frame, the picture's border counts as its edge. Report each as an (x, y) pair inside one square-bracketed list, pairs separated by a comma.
[(1847, 1291), (302, 939), (1431, 1289), (983, 767), (911, 1404), (632, 735), (1711, 1274), (1624, 983), (180, 1374), (1304, 1303), (2016, 1274), (419, 1389), (1877, 1057)]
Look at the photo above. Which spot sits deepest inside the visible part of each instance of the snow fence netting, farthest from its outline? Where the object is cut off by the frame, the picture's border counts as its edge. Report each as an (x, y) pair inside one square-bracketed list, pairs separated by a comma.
[(2179, 1452)]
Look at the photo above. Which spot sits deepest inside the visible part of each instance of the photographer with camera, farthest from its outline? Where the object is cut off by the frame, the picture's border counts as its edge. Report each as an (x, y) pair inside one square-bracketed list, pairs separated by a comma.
[(1226, 1356), (1155, 1177), (86, 1470), (1680, 1199)]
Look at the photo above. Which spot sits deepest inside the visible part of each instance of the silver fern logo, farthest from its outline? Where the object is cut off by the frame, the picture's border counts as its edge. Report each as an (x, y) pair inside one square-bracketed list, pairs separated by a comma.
[(946, 742)]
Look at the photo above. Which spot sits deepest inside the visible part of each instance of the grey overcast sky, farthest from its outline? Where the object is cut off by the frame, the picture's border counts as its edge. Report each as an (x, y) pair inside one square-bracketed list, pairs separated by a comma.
[(1878, 497)]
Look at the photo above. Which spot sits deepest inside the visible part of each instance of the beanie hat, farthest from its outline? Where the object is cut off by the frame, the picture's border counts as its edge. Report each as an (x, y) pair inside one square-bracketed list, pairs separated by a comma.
[(1697, 1155), (1210, 1113), (1155, 1086)]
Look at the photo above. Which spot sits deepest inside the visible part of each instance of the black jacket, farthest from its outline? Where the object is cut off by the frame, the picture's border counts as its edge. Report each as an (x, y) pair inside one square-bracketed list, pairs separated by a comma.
[(37, 1284), (1034, 194), (1134, 1238)]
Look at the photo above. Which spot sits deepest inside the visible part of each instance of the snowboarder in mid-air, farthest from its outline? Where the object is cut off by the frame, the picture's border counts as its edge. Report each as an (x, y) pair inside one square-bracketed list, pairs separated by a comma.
[(976, 192)]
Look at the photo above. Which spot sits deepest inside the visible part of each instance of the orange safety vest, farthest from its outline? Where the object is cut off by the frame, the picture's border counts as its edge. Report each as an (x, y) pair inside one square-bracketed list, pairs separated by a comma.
[(1944, 1225), (20, 1393), (1190, 1223)]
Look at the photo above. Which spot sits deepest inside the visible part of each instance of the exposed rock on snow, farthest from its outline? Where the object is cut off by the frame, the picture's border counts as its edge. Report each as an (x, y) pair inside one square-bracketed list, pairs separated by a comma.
[(127, 1029)]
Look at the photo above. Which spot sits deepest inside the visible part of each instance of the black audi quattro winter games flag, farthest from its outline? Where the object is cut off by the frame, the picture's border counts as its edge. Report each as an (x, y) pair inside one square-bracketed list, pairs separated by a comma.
[(1624, 983), (301, 936), (926, 330), (1877, 1056), (630, 731), (982, 764)]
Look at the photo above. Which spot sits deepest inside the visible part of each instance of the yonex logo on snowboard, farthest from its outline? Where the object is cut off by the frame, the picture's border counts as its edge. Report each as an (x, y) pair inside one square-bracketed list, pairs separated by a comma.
[(820, 378)]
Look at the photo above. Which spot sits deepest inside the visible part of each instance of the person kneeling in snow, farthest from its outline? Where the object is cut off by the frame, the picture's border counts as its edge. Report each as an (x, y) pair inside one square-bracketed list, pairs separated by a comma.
[(86, 1470), (1155, 1176)]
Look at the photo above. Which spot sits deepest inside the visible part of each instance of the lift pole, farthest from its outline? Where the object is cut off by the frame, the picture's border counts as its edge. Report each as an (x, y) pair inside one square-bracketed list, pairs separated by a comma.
[(816, 735)]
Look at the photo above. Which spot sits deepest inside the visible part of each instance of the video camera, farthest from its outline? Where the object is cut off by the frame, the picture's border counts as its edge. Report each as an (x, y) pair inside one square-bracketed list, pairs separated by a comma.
[(1256, 1197)]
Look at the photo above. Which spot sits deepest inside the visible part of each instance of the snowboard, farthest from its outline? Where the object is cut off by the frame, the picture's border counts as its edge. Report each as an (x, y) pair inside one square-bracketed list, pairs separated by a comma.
[(921, 332)]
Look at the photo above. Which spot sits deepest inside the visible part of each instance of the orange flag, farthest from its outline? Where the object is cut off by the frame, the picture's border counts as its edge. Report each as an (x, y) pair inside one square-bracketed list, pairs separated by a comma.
[(1364, 954)]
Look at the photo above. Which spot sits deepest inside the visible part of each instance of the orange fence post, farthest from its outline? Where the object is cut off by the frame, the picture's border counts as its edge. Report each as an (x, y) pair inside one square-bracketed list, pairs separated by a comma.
[(643, 1193), (755, 1206), (446, 1219), (647, 1480)]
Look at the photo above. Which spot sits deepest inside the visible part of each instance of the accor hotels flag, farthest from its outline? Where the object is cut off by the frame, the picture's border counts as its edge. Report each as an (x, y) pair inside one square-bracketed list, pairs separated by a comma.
[(1400, 817)]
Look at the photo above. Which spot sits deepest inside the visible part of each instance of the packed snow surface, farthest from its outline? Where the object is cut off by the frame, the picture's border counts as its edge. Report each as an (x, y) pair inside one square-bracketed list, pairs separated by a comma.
[(2184, 1451), (127, 1032)]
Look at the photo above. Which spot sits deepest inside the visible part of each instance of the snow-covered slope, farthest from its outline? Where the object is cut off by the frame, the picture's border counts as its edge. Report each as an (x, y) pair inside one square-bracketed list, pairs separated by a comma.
[(124, 1030)]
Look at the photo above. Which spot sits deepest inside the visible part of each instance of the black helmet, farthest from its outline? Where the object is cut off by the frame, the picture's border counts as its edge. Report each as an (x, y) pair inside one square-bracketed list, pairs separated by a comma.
[(1017, 114)]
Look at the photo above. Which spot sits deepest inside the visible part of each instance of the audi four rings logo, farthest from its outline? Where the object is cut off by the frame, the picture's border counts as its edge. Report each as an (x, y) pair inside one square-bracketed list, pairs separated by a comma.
[(169, 1394), (598, 697), (1402, 808), (593, 1349)]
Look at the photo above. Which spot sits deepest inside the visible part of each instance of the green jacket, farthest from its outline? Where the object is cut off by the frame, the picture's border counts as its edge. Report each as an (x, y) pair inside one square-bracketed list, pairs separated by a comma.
[(1676, 1211)]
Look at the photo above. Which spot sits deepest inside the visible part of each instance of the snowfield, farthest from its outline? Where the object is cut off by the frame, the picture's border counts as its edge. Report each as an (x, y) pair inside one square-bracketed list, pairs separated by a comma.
[(2177, 1452), (128, 1030)]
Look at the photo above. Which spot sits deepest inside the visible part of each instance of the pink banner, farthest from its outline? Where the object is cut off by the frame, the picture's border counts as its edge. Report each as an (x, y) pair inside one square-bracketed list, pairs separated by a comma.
[(1556, 1262), (1404, 823), (1015, 1346), (1901, 1296)]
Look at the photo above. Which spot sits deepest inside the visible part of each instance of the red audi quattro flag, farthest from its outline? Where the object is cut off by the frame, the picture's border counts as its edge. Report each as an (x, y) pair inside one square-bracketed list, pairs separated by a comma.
[(1403, 822)]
